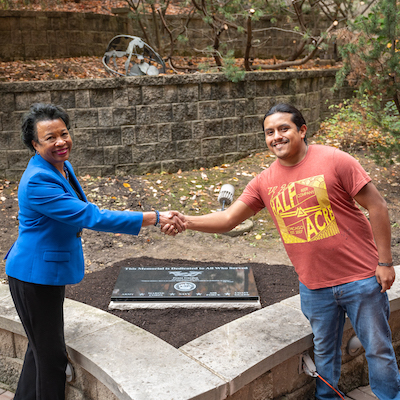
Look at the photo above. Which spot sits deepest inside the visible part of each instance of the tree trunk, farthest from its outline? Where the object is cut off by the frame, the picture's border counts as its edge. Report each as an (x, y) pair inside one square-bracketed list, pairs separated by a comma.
[(247, 65)]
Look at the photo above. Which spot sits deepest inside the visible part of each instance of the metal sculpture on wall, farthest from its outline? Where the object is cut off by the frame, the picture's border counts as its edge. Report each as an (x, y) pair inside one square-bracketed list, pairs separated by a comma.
[(130, 56)]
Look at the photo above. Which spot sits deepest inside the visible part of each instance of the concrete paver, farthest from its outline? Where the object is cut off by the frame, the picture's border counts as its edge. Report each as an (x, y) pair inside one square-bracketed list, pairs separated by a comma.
[(362, 393), (5, 395)]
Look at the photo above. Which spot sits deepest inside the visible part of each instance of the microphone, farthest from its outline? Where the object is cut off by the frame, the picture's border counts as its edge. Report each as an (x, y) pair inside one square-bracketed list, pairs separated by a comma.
[(225, 196)]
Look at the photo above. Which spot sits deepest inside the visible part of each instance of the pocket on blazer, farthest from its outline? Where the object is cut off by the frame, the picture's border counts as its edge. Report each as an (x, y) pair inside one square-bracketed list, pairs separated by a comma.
[(57, 256)]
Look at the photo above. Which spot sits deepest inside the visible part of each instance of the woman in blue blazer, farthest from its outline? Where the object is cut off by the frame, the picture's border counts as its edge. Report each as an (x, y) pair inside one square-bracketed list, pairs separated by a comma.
[(48, 254)]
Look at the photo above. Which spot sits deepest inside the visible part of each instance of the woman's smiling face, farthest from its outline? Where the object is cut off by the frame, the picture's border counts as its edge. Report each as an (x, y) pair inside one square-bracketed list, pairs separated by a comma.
[(54, 142), (284, 139)]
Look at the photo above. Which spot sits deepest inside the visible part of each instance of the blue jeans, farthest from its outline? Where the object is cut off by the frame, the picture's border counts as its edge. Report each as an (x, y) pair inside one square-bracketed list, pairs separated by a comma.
[(368, 310)]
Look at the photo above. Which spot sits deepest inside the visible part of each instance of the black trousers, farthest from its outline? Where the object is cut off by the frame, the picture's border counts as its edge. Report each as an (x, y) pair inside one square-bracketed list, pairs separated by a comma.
[(40, 308)]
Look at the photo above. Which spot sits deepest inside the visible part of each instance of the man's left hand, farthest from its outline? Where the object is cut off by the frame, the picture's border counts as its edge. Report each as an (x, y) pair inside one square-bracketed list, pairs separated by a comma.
[(385, 277)]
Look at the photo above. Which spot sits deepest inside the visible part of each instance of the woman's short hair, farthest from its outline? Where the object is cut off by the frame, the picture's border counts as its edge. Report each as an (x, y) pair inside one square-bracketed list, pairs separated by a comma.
[(297, 117), (40, 112)]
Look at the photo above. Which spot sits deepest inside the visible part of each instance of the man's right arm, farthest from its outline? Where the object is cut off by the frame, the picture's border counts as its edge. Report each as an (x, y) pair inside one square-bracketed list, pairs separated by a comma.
[(220, 222)]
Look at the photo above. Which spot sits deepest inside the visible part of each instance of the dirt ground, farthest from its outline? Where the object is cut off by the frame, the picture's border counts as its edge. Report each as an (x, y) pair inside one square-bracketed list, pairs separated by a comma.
[(261, 248)]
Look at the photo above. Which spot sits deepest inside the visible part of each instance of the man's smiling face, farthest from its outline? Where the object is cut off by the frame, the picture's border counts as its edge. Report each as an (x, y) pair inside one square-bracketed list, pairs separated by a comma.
[(284, 139)]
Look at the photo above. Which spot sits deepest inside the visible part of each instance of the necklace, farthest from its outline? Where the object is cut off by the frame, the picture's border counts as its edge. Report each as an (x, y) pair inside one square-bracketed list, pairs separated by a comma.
[(66, 172)]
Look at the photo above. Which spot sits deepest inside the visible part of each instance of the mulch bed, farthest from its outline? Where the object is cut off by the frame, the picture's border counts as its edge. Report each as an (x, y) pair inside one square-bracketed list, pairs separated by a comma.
[(180, 326)]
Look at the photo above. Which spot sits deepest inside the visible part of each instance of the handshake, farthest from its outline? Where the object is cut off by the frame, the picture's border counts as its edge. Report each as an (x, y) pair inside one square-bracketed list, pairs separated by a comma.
[(172, 222)]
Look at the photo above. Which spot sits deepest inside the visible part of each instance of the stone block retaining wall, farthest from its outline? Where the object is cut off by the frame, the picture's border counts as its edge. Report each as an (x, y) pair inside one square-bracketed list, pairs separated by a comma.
[(28, 35), (137, 125)]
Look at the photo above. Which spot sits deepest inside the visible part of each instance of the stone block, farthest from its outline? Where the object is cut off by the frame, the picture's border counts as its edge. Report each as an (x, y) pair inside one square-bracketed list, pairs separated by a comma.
[(18, 159), (101, 97), (229, 144), (251, 89), (124, 116), (188, 149), (13, 174), (43, 23), (252, 124), (108, 136), (3, 160), (226, 108), (7, 104), (75, 21), (208, 110), (246, 142), (20, 346), (10, 370), (185, 111), (91, 170), (244, 107), (238, 90), (105, 116), (176, 165), (162, 113), (85, 137), (144, 153), (88, 156), (23, 101), (5, 37), (121, 97), (260, 141), (38, 37), (7, 343), (181, 131), (146, 134), (232, 126), (59, 23), (170, 94), (125, 155), (36, 51), (164, 132), (215, 91), (286, 377), (211, 147), (198, 130), (85, 118), (110, 155), (28, 24), (152, 94), (72, 393), (188, 93), (134, 95), (166, 151), (213, 161), (65, 98), (82, 99), (213, 128), (354, 374), (128, 135), (12, 121), (144, 115), (138, 169)]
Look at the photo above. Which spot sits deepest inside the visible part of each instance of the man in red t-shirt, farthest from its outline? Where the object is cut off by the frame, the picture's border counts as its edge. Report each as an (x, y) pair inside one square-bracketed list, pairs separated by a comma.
[(343, 260)]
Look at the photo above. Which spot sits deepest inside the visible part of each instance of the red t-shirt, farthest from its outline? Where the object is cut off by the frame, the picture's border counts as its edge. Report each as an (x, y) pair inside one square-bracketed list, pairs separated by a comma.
[(327, 237)]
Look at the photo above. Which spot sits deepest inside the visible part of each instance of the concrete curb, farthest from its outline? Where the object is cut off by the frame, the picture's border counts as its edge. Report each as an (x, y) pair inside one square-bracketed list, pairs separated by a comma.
[(134, 364)]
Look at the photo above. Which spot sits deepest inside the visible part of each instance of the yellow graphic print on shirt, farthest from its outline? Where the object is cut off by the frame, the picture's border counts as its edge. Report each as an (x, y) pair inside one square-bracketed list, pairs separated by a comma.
[(303, 211)]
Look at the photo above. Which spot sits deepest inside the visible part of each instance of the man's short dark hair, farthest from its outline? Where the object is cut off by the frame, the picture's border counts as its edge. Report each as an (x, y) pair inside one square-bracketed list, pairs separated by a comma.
[(40, 112), (297, 117)]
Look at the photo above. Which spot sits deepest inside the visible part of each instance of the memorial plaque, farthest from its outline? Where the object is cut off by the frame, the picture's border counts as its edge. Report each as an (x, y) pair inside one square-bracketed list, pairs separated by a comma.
[(191, 286)]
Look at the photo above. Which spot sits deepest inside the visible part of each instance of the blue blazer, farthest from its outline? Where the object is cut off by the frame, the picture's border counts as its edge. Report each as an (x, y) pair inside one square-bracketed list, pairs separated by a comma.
[(51, 216)]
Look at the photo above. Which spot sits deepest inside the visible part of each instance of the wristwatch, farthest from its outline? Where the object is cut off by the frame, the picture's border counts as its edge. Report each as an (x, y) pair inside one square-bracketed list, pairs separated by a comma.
[(385, 264)]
